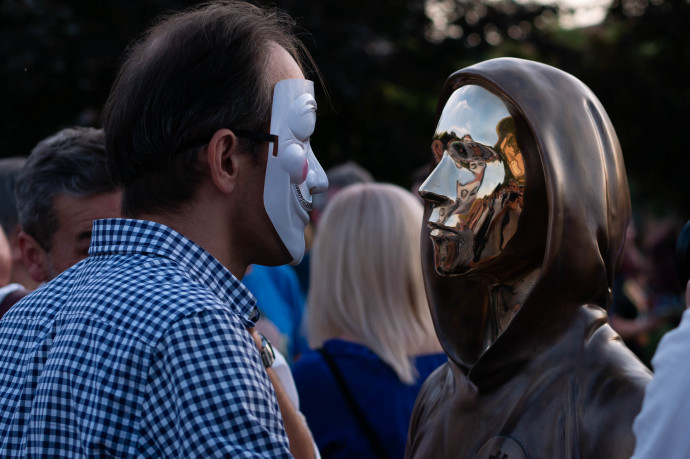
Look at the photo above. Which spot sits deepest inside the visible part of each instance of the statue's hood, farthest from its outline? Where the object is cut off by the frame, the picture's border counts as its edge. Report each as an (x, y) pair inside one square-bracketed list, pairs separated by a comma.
[(577, 208)]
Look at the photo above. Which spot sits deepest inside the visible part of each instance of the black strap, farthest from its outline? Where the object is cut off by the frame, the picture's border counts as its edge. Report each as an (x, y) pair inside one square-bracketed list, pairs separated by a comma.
[(361, 419), (252, 135)]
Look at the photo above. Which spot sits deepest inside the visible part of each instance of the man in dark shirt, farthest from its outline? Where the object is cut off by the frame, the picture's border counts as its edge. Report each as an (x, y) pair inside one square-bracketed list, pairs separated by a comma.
[(63, 187)]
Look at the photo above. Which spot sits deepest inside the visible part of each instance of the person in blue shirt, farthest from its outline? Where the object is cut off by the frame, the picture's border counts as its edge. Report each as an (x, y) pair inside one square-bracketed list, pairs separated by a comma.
[(368, 323), (146, 348), (281, 302)]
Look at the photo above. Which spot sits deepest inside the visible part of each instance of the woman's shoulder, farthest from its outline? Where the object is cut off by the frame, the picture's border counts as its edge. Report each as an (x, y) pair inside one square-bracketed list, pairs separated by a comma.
[(309, 361), (428, 363), (352, 359), (340, 350)]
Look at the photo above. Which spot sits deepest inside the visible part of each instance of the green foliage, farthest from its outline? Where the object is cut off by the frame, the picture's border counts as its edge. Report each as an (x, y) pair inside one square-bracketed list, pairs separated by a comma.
[(384, 63), (59, 58), (637, 64)]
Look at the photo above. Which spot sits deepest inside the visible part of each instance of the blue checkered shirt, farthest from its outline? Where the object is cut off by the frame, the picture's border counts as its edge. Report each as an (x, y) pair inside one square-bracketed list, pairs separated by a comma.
[(139, 350)]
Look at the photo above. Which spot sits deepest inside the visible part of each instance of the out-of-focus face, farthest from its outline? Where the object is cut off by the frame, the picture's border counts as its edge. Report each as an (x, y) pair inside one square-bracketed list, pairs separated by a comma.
[(5, 259), (474, 192), (293, 173), (75, 215)]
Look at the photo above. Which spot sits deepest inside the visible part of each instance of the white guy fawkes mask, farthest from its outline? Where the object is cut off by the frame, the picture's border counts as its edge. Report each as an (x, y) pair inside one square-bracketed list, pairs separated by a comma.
[(293, 174)]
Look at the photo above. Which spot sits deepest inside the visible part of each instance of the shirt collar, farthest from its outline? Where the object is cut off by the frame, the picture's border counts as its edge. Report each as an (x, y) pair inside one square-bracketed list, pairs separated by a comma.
[(117, 235)]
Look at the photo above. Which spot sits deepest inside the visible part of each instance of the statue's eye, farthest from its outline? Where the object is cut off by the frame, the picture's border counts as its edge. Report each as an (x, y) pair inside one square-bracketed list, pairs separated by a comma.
[(456, 147)]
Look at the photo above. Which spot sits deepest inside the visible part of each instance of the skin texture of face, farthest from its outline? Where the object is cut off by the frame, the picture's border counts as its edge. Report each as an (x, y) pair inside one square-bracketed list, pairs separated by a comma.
[(70, 243), (475, 190), (5, 259), (293, 174)]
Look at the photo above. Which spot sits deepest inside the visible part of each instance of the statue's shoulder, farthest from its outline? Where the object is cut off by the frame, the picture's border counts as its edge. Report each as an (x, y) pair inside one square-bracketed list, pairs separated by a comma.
[(611, 388)]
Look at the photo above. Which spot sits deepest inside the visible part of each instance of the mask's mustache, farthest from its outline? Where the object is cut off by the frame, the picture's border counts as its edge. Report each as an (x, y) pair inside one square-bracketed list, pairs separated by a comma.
[(303, 202)]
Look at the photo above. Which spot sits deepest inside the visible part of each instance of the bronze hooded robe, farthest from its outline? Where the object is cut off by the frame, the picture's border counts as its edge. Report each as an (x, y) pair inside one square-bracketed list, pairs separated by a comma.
[(557, 382)]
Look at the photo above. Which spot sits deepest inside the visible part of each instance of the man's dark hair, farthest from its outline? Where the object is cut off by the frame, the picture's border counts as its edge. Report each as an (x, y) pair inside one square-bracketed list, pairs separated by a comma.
[(72, 162), (9, 170), (193, 73)]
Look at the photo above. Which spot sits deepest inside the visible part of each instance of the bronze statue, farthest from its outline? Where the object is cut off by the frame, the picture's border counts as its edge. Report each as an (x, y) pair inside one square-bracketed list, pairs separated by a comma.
[(526, 208)]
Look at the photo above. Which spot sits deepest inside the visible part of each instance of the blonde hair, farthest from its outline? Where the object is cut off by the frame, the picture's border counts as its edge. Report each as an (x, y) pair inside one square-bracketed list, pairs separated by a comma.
[(366, 278)]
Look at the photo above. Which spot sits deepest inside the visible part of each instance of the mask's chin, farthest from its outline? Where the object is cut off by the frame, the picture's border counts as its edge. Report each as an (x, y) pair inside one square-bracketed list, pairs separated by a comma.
[(292, 235), (289, 217)]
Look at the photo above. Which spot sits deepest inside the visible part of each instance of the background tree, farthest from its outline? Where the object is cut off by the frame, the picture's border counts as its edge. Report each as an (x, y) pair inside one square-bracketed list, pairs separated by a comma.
[(384, 63)]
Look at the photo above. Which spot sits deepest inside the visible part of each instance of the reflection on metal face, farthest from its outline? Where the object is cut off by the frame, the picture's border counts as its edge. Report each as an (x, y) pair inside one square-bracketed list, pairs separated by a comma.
[(475, 191)]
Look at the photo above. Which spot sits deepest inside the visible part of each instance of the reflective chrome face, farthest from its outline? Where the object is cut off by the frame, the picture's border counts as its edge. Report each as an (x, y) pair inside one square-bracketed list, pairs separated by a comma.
[(475, 190), (293, 174)]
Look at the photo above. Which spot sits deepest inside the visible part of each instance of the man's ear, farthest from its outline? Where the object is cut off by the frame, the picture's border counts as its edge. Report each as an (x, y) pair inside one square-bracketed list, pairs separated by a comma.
[(13, 239), (34, 257), (222, 156)]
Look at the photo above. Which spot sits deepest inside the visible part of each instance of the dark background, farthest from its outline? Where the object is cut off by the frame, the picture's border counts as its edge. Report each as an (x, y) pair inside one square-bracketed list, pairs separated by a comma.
[(384, 68)]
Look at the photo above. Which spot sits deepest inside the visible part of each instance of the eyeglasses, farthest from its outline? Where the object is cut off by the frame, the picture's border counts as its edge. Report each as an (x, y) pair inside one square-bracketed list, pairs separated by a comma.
[(259, 137), (254, 135), (251, 135)]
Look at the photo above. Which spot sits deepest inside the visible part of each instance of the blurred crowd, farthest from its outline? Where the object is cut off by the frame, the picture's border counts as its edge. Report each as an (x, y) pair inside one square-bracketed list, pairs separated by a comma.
[(648, 299)]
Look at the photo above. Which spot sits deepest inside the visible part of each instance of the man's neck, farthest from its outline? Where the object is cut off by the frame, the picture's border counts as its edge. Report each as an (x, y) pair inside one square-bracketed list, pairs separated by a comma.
[(205, 231)]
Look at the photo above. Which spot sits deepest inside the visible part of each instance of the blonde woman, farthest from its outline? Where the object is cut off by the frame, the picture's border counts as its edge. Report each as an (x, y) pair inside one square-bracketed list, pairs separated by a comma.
[(369, 322)]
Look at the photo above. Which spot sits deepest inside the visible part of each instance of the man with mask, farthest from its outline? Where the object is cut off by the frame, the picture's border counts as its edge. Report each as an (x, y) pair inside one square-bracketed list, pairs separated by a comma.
[(143, 348), (526, 209)]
